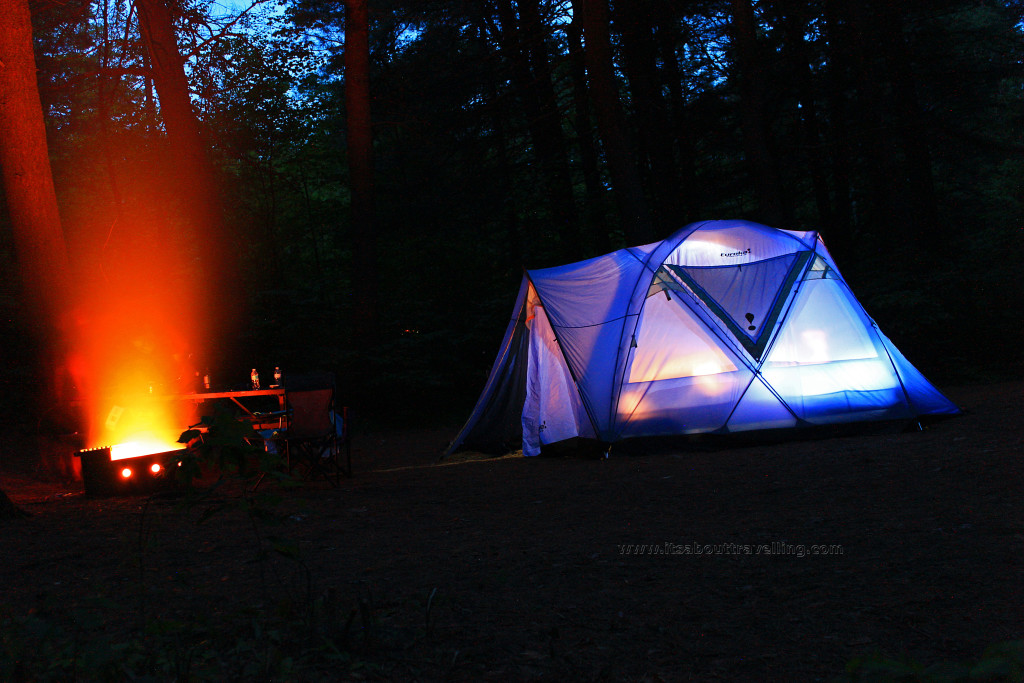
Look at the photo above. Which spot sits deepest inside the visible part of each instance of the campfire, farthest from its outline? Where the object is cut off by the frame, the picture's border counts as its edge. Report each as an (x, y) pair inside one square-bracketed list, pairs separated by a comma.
[(131, 450), (121, 469), (138, 340)]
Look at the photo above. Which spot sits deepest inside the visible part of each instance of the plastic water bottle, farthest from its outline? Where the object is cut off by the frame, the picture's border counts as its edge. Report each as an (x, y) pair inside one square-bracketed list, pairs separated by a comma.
[(255, 377)]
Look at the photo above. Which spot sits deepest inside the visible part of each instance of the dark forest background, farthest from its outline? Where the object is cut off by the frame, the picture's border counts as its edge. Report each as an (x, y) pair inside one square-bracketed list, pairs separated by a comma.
[(528, 133)]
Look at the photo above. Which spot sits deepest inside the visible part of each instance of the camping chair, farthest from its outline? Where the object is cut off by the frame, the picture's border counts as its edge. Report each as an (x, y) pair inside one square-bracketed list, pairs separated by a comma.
[(314, 437)]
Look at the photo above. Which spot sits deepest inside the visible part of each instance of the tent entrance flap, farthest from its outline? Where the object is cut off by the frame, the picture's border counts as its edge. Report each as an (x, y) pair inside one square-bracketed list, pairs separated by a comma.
[(552, 410)]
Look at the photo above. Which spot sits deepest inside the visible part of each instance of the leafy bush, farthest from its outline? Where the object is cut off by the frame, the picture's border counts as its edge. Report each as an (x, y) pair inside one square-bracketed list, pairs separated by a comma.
[(1000, 663)]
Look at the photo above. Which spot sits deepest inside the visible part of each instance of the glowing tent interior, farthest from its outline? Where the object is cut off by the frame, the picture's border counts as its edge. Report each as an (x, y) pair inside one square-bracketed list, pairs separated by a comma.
[(726, 326)]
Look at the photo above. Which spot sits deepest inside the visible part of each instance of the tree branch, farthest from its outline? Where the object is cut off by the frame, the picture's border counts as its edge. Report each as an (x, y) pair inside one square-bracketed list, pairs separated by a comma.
[(226, 28)]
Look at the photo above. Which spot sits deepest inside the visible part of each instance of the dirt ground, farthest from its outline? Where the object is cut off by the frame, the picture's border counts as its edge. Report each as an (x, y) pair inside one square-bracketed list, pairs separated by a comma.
[(760, 562)]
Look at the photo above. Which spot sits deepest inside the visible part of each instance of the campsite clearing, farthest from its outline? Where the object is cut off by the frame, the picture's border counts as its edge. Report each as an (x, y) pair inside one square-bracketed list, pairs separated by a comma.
[(519, 568)]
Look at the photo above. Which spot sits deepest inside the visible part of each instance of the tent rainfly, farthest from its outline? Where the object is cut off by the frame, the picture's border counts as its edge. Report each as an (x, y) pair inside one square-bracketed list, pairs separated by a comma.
[(726, 326)]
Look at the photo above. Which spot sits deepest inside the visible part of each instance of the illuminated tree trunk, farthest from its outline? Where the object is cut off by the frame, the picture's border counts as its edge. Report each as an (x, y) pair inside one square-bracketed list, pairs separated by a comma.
[(360, 168), (201, 236), (196, 185), (28, 189), (25, 162)]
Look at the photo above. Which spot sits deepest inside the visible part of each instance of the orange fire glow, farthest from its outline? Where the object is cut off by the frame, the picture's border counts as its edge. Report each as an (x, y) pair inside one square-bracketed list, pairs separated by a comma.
[(130, 391), (139, 340), (153, 291)]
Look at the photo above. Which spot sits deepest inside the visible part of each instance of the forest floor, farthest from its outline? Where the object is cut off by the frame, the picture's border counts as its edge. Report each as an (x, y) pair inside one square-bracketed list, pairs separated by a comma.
[(811, 553)]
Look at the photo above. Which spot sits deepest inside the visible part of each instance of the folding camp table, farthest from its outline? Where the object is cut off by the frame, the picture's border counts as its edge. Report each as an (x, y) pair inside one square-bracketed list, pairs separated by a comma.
[(259, 420)]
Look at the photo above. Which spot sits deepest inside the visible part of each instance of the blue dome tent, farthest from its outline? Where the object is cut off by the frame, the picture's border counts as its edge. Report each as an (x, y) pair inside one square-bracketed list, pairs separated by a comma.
[(726, 326)]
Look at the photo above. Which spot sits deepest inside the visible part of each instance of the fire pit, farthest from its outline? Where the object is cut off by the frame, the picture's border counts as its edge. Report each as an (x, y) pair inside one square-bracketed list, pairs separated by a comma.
[(105, 473)]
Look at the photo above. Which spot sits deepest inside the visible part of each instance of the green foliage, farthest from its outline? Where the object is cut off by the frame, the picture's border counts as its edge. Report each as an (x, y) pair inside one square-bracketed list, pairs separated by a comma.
[(321, 640), (224, 442), (1000, 663)]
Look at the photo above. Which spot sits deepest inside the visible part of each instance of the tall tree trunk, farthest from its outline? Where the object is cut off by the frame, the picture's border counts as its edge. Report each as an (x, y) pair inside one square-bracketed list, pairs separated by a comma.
[(750, 79), (924, 226), (838, 129), (360, 164), (106, 141), (563, 198), (690, 189), (25, 163), (156, 21), (611, 122), (597, 226), (194, 185), (30, 196), (509, 215), (794, 24), (635, 21), (872, 136), (522, 42)]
